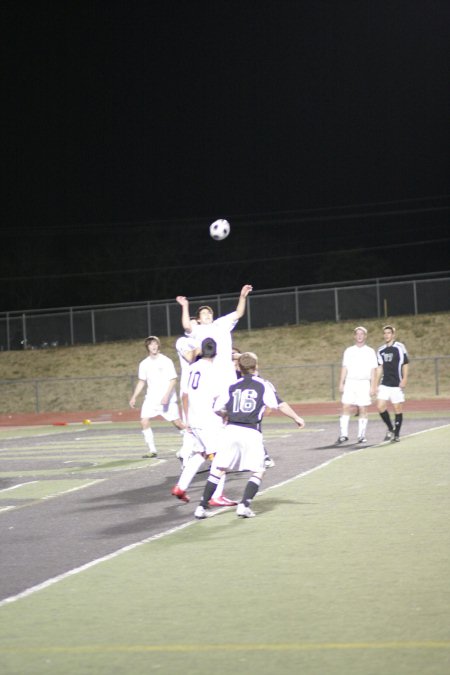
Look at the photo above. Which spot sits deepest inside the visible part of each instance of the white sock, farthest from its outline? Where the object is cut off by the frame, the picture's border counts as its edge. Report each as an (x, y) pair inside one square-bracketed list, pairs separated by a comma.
[(192, 466), (362, 426), (149, 439), (343, 421)]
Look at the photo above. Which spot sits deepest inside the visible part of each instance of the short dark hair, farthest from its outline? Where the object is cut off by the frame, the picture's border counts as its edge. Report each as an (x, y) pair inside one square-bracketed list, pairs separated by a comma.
[(209, 348), (389, 327)]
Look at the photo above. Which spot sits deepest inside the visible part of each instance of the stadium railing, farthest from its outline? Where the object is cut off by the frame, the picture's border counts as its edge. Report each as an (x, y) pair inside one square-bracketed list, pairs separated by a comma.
[(367, 298)]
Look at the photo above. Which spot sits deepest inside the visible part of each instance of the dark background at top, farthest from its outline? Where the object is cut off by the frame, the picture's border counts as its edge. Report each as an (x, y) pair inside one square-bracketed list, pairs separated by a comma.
[(320, 130)]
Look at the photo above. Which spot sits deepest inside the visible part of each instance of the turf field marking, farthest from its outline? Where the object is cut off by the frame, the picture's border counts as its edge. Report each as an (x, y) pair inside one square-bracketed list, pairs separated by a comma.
[(93, 563), (19, 485), (130, 547), (160, 535), (189, 648)]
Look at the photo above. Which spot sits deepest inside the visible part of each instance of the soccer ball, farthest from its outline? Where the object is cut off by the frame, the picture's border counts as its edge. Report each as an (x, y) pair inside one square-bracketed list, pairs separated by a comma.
[(219, 229)]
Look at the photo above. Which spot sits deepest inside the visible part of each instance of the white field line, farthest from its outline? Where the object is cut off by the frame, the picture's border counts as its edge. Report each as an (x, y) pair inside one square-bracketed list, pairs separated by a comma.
[(160, 535), (130, 547), (14, 487)]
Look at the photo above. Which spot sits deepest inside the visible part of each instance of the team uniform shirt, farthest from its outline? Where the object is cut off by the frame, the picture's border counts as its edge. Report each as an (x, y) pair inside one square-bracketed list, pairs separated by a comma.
[(157, 372), (220, 331), (184, 344), (203, 387), (242, 446), (360, 362), (392, 359)]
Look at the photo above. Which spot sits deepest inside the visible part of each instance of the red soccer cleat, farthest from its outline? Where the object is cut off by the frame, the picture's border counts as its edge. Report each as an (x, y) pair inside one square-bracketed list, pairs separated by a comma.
[(221, 501), (181, 494)]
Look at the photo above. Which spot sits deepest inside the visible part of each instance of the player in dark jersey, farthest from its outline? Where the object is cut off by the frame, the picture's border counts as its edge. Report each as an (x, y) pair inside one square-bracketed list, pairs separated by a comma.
[(241, 447), (392, 376), (235, 354)]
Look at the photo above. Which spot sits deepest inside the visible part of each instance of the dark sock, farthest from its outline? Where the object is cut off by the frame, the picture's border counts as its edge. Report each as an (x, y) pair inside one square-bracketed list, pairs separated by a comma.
[(387, 420), (398, 423), (251, 489), (209, 490)]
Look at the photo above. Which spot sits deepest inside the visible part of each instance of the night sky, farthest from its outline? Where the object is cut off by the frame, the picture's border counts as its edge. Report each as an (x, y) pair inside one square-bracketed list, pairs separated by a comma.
[(319, 129)]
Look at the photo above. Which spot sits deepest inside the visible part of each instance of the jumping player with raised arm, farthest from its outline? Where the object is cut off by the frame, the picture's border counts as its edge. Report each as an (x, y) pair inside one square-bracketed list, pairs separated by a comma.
[(219, 329)]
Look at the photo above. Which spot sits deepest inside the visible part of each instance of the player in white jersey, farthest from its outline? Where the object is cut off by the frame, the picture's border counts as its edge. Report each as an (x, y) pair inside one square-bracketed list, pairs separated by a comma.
[(218, 329), (242, 449), (157, 373), (187, 350), (204, 426), (357, 384)]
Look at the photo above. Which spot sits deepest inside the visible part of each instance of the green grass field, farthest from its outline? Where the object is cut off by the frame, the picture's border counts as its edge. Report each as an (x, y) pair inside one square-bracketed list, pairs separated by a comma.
[(344, 571)]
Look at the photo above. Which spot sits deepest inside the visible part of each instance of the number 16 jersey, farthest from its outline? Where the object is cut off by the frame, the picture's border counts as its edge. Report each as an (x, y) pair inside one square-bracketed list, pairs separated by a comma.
[(247, 400)]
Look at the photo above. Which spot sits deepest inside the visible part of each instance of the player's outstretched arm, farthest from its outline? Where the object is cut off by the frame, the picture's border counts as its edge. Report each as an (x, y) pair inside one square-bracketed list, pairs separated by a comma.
[(286, 409), (240, 309), (185, 318)]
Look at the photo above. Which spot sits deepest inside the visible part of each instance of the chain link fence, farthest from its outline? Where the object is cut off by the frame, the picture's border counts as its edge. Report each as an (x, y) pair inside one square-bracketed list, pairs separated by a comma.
[(312, 382), (393, 296)]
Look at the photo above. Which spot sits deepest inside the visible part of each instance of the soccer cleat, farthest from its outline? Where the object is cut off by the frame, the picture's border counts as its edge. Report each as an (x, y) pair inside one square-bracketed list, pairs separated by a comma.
[(396, 439), (362, 440), (244, 511), (341, 439), (176, 491), (200, 513), (389, 436), (149, 455), (221, 501), (268, 462)]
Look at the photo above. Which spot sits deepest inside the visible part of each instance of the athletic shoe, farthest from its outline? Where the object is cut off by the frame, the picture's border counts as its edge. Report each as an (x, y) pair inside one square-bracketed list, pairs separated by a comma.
[(341, 439), (362, 440), (268, 462), (389, 436), (200, 513), (244, 511), (149, 455), (396, 439), (221, 501), (176, 491)]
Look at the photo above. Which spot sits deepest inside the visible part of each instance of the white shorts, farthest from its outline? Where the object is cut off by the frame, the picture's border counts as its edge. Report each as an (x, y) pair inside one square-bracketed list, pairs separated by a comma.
[(207, 440), (356, 392), (241, 449), (169, 412), (392, 394)]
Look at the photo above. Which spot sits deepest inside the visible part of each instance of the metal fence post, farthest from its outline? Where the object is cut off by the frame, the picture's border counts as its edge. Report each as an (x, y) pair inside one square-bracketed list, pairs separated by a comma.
[(8, 333), (168, 319), (36, 396), (378, 298), (93, 326), (149, 319), (333, 382), (24, 331), (416, 311), (336, 305), (72, 332), (249, 314)]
